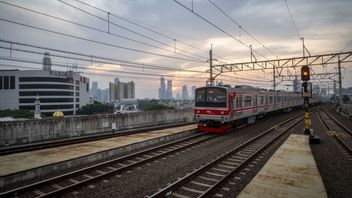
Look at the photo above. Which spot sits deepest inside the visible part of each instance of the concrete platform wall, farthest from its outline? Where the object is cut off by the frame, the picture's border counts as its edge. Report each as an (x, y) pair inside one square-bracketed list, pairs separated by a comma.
[(20, 132)]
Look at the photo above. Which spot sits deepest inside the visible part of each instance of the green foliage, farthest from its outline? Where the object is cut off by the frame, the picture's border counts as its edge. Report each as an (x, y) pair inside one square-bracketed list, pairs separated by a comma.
[(151, 105), (15, 113), (95, 108)]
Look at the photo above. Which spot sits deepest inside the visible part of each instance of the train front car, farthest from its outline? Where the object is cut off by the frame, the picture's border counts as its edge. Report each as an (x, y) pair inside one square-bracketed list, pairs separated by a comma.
[(212, 109)]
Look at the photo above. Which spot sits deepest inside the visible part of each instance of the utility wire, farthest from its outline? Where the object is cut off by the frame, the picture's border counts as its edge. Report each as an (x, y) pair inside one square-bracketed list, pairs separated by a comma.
[(95, 29), (127, 29), (100, 74), (217, 27), (97, 42), (241, 27), (137, 23), (90, 68), (293, 21), (90, 60), (346, 46), (93, 58)]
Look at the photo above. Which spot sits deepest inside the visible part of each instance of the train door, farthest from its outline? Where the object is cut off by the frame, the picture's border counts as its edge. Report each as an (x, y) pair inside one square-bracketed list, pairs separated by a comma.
[(232, 106)]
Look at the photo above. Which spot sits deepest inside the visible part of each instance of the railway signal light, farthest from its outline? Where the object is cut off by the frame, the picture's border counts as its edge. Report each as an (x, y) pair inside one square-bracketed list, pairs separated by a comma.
[(305, 73)]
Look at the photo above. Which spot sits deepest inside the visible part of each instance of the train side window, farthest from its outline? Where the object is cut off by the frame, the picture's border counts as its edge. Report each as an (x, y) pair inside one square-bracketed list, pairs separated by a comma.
[(270, 99), (261, 100), (247, 101), (239, 101)]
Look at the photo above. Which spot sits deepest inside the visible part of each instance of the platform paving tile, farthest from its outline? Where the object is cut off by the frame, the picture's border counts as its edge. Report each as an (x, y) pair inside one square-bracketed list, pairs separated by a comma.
[(290, 172), (27, 160)]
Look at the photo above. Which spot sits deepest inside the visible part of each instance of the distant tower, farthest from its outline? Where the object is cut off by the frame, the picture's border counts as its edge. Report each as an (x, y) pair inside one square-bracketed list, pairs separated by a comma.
[(169, 90), (47, 62), (184, 93), (37, 108), (162, 90)]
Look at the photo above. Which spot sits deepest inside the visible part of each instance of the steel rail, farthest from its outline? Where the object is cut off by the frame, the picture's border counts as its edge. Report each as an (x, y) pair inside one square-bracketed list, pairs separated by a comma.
[(167, 190), (335, 134), (106, 164)]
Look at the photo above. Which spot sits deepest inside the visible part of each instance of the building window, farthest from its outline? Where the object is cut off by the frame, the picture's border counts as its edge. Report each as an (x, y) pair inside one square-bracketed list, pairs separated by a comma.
[(77, 93), (6, 82), (0, 82), (77, 99), (46, 107), (45, 86), (87, 87), (45, 100), (77, 105), (77, 82), (46, 93), (77, 88), (45, 79), (12, 82)]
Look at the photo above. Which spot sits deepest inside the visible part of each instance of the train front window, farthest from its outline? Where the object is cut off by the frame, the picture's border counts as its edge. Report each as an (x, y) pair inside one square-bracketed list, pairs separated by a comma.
[(211, 97)]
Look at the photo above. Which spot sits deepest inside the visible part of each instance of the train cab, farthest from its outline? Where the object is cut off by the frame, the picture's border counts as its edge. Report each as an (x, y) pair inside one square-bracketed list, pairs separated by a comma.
[(213, 108)]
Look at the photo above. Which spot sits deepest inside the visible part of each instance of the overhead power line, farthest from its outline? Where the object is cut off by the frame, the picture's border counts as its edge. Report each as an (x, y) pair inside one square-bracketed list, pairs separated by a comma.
[(103, 74), (91, 58), (97, 42), (241, 27), (343, 49), (96, 29), (293, 21), (23, 60), (217, 27), (137, 23), (127, 29)]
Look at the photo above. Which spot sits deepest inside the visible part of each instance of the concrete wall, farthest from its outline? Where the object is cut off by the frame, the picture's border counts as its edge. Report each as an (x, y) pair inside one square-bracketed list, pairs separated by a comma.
[(20, 132)]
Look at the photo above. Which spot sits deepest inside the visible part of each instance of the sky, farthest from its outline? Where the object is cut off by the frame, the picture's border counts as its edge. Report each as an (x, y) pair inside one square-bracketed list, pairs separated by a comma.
[(172, 40)]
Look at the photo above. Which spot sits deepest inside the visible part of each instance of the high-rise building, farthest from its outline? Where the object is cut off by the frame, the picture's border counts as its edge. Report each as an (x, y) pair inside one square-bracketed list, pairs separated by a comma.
[(64, 91), (121, 90), (184, 92), (105, 95), (169, 90), (193, 91), (94, 90), (162, 90)]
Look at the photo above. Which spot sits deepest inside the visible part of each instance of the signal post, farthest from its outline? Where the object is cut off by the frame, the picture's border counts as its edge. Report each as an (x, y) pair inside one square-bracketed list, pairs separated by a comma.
[(306, 93)]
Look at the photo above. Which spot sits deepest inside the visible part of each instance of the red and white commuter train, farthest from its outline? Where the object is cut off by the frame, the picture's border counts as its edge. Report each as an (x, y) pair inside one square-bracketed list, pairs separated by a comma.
[(219, 108)]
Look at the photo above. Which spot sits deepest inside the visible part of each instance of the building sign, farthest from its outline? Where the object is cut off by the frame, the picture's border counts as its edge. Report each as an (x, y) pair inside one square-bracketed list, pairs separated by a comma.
[(58, 73)]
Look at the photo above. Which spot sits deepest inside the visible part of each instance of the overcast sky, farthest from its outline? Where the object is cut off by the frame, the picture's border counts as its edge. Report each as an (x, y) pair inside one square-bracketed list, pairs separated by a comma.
[(326, 26)]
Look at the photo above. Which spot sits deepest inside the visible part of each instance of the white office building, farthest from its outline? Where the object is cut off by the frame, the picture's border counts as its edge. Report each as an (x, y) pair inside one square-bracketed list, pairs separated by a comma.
[(57, 90)]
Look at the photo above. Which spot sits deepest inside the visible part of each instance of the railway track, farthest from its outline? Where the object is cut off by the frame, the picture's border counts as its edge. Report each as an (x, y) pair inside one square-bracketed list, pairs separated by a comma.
[(336, 129), (207, 179), (62, 142), (63, 183)]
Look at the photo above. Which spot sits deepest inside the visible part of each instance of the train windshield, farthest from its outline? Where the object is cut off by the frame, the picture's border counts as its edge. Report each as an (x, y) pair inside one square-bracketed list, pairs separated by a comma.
[(211, 97)]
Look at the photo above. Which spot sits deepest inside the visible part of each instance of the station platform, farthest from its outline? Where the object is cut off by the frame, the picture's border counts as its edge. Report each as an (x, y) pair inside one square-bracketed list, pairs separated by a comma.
[(290, 172), (21, 162)]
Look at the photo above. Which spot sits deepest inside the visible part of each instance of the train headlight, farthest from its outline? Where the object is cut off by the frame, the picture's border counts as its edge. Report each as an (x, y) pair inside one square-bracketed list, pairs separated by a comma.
[(222, 113), (198, 111)]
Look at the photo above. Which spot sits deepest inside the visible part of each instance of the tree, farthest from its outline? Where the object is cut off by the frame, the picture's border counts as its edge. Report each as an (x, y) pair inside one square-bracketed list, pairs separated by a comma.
[(96, 107), (16, 113)]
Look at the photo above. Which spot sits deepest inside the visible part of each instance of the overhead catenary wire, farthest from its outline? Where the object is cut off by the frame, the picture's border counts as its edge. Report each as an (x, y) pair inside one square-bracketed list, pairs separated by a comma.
[(293, 21), (95, 58), (241, 27), (346, 46), (102, 74), (217, 27), (127, 29), (95, 29), (97, 42), (90, 60), (137, 23), (23, 60)]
